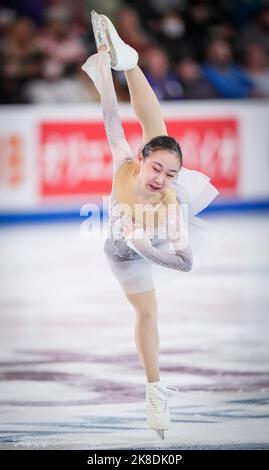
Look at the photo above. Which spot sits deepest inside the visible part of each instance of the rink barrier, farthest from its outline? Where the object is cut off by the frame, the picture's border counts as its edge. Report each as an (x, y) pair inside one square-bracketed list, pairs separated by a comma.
[(65, 216)]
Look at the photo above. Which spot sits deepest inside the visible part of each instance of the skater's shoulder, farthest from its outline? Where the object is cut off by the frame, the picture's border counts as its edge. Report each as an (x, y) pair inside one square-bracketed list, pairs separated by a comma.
[(129, 167), (124, 180)]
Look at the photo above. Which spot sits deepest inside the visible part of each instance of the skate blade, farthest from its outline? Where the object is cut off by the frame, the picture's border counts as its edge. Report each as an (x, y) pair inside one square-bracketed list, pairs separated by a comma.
[(160, 433), (99, 30), (113, 54)]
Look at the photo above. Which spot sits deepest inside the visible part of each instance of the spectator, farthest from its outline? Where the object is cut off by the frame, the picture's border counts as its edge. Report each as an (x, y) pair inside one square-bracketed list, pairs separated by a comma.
[(257, 68), (130, 29), (171, 33), (42, 47), (18, 47), (224, 29), (227, 78), (199, 17), (63, 48), (64, 90), (160, 75), (58, 78), (257, 31), (194, 84)]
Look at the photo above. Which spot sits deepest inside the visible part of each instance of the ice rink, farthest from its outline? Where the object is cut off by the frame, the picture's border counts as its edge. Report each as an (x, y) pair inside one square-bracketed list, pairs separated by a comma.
[(70, 373)]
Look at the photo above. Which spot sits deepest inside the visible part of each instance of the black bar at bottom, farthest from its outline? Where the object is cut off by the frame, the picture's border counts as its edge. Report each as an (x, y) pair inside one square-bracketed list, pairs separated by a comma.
[(122, 458)]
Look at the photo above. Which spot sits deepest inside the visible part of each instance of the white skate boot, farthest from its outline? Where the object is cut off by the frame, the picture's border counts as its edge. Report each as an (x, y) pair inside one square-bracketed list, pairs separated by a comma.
[(158, 414), (123, 57)]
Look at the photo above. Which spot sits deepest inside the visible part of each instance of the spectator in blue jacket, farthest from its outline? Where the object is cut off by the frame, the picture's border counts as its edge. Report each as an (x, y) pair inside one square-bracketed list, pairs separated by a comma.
[(229, 80), (162, 78)]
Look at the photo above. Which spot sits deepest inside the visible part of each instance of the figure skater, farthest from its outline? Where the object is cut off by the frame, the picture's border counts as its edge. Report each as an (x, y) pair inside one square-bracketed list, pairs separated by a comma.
[(144, 187)]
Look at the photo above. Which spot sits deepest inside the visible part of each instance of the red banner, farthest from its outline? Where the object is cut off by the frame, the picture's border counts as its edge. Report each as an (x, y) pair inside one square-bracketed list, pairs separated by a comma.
[(210, 146), (75, 157)]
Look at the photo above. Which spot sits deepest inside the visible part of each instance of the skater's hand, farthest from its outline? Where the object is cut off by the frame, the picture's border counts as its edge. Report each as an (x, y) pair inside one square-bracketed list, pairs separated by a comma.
[(178, 230)]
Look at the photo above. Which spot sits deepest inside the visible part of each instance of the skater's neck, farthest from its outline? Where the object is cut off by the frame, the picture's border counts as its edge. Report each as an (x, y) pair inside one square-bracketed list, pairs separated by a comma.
[(143, 197)]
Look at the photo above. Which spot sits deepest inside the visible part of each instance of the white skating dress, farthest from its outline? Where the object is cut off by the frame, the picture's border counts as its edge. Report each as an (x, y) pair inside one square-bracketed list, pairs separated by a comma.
[(143, 257)]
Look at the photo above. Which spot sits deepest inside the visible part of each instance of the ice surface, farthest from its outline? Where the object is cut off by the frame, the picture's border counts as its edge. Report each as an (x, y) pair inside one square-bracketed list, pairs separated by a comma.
[(70, 373)]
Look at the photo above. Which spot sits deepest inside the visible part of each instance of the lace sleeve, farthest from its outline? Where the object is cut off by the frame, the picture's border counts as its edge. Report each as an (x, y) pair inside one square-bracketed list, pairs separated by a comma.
[(180, 260), (98, 68), (177, 234)]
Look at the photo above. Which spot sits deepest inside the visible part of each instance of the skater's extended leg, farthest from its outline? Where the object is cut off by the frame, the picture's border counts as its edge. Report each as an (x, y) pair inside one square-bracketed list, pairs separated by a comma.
[(146, 332), (98, 69), (124, 57), (145, 104)]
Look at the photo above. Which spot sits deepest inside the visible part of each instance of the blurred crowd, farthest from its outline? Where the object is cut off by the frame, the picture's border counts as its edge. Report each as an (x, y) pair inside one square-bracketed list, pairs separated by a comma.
[(188, 49)]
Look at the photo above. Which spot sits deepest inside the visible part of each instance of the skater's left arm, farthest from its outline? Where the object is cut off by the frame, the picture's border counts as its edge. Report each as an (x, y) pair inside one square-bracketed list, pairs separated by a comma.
[(181, 259)]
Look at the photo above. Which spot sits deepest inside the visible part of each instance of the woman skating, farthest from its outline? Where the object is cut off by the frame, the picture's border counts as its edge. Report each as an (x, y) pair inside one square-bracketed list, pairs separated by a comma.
[(148, 232)]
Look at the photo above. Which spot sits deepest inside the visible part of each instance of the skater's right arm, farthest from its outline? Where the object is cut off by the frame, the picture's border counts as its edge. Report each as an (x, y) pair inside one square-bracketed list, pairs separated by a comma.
[(115, 134)]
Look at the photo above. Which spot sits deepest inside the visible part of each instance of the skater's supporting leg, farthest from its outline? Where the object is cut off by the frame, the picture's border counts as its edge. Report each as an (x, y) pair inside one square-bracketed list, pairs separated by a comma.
[(145, 104), (146, 332)]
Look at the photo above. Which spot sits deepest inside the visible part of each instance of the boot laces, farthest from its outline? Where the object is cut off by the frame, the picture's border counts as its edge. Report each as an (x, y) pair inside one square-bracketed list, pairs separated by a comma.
[(158, 399), (158, 396)]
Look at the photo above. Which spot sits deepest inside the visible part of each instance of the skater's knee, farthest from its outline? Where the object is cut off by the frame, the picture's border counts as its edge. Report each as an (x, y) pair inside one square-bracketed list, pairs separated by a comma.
[(146, 317)]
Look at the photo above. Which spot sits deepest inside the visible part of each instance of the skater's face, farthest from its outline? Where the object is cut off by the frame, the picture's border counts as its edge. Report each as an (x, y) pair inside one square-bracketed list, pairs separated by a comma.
[(158, 170)]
